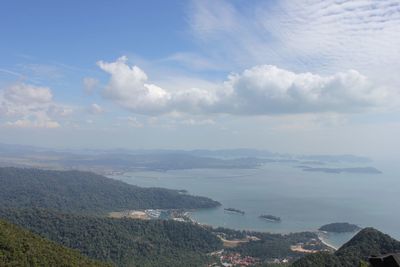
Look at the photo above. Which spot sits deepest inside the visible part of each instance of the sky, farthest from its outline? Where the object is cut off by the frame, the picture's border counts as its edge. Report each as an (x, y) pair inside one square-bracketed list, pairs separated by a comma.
[(294, 76)]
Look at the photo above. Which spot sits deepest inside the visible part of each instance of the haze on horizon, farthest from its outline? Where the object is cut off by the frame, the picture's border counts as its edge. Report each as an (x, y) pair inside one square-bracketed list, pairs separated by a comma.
[(288, 76)]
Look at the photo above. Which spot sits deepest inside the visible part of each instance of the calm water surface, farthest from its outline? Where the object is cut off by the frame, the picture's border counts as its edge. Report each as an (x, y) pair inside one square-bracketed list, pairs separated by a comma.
[(304, 200)]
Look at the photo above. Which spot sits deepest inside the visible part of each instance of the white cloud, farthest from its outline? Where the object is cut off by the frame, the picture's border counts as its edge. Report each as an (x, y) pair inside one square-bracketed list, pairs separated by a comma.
[(90, 84), (128, 87), (22, 93), (129, 121), (193, 61), (132, 121), (27, 106), (198, 122), (263, 89), (324, 36), (267, 89), (95, 109), (25, 123)]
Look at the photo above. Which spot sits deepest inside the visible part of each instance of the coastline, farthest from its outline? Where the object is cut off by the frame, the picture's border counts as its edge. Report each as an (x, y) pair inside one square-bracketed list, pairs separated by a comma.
[(319, 233), (321, 238)]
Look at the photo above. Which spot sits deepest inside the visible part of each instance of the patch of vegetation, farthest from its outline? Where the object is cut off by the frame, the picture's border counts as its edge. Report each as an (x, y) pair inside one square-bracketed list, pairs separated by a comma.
[(86, 193), (125, 242), (269, 246), (19, 247)]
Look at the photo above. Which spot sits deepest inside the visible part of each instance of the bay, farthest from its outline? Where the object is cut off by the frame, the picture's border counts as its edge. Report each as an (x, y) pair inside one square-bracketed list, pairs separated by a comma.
[(304, 200)]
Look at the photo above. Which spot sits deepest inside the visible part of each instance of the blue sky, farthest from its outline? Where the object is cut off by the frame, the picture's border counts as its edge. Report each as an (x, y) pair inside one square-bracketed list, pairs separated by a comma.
[(292, 76), (91, 28)]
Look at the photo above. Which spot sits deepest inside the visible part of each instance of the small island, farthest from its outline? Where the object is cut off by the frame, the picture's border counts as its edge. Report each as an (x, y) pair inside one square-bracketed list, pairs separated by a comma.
[(360, 170), (343, 227), (270, 218), (234, 210)]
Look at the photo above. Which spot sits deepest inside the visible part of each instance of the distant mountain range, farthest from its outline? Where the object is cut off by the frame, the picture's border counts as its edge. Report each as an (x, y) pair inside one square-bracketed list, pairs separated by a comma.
[(123, 160), (365, 170)]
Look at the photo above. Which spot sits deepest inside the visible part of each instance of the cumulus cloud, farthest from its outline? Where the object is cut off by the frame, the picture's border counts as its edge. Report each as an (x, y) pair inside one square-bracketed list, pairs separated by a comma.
[(28, 106), (263, 89), (128, 87), (268, 89)]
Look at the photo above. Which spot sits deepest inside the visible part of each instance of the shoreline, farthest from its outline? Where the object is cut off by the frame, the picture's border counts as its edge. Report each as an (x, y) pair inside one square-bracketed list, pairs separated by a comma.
[(323, 241), (319, 235)]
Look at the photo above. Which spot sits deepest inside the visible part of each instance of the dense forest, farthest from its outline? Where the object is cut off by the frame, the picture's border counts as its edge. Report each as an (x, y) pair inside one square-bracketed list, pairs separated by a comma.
[(366, 243), (68, 208), (86, 193), (19, 247), (270, 246), (125, 242)]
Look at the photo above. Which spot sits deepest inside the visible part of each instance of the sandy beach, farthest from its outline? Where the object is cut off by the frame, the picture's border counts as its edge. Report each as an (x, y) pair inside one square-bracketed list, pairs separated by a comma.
[(321, 238)]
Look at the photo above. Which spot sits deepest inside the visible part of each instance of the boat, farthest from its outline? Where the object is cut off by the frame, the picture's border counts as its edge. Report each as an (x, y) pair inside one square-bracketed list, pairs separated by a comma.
[(153, 213)]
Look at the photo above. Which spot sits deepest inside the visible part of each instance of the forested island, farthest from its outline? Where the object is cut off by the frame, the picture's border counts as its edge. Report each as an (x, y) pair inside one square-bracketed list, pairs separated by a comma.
[(235, 211), (361, 170), (271, 218), (340, 227)]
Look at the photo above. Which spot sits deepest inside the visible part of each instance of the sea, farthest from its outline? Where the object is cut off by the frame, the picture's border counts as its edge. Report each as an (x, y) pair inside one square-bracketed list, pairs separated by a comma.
[(303, 200)]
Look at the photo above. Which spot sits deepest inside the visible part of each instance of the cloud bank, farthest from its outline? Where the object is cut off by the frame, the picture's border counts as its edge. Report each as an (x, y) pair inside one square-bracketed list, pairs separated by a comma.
[(27, 106), (327, 36), (260, 90)]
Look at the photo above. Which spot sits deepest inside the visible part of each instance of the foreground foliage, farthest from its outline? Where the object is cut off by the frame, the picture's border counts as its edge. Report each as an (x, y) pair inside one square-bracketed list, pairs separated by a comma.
[(19, 247), (125, 242)]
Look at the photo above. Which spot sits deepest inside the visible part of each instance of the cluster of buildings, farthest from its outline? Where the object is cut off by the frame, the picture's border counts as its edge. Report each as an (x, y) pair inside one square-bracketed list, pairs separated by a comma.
[(235, 259), (278, 261)]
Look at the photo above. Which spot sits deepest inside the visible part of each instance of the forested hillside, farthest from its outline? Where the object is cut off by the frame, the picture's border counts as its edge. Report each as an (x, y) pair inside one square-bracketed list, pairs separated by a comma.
[(125, 242), (19, 247), (86, 193), (366, 243)]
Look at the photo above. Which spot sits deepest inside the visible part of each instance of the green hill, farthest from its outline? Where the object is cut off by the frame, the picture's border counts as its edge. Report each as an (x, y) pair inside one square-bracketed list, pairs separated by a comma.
[(125, 242), (366, 243), (19, 247), (86, 193)]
